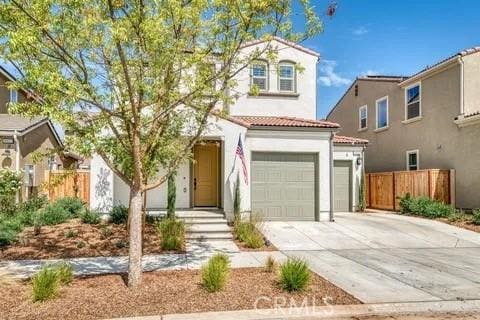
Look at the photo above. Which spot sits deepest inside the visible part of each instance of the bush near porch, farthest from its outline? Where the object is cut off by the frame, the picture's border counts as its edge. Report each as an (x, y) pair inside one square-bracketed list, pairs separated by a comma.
[(431, 209)]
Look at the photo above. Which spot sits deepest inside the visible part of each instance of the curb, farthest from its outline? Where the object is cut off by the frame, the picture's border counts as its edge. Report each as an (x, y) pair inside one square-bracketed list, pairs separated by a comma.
[(327, 312)]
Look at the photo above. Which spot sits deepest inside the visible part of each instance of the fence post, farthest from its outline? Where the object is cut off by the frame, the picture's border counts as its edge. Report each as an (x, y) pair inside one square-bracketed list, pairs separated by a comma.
[(429, 181), (394, 189), (370, 190), (451, 187)]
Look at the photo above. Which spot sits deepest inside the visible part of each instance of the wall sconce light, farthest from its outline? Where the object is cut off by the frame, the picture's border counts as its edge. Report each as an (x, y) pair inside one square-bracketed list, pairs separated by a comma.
[(359, 161)]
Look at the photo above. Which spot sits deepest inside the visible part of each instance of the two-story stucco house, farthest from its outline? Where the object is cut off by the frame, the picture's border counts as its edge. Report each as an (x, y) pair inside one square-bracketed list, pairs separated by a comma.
[(22, 137), (291, 159), (428, 120)]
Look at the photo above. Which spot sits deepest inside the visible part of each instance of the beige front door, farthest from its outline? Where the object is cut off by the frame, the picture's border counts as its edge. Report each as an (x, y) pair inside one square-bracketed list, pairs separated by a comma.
[(205, 175)]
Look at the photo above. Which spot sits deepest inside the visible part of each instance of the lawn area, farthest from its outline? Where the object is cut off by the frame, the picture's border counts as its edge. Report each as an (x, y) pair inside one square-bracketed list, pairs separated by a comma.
[(163, 292)]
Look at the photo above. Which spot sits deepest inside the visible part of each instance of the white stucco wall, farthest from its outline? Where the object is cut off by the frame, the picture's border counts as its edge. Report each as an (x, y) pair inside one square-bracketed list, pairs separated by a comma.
[(303, 106), (297, 141), (101, 185), (351, 153)]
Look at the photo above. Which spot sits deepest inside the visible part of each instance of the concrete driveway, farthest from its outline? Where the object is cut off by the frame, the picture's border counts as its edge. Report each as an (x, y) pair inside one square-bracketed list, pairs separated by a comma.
[(383, 258)]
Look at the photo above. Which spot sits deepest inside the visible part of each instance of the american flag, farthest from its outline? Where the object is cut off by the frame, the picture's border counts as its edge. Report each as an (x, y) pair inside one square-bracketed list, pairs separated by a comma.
[(240, 153)]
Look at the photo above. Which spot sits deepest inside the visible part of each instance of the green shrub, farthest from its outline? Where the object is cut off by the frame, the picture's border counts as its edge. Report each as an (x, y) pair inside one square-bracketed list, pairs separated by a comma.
[(294, 275), (215, 272), (52, 215), (476, 217), (90, 217), (10, 183), (71, 233), (106, 232), (172, 233), (425, 207), (270, 264), (81, 244), (74, 206), (7, 235), (119, 214), (247, 232), (171, 195), (64, 272), (45, 284)]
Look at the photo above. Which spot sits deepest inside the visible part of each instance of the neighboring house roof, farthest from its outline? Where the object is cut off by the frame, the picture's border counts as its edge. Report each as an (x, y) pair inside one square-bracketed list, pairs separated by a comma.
[(290, 122), (11, 124), (285, 42), (12, 78), (444, 62), (348, 140)]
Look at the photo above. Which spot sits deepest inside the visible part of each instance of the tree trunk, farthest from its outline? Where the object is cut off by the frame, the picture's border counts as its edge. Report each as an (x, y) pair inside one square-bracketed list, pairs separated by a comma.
[(135, 238)]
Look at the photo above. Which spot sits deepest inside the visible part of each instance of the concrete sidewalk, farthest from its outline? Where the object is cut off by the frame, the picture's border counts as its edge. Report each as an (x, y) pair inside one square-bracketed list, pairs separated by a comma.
[(197, 253), (420, 310)]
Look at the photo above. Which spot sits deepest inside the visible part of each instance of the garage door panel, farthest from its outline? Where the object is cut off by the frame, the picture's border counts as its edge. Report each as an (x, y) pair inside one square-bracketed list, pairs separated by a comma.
[(288, 181)]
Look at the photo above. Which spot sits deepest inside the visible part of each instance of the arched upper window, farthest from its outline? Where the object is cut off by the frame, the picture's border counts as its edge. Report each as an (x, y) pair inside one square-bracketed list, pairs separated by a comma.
[(259, 74), (286, 76)]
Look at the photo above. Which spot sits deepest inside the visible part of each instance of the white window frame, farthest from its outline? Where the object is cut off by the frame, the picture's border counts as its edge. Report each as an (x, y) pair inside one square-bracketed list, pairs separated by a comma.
[(26, 174), (294, 76), (365, 107), (376, 113), (408, 153), (267, 80), (419, 84), (13, 93)]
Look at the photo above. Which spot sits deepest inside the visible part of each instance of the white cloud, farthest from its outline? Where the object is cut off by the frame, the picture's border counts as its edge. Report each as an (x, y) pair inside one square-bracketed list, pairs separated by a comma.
[(360, 31), (328, 77)]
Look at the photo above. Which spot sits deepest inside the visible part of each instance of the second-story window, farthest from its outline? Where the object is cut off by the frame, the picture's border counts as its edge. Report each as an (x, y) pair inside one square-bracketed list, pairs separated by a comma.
[(382, 113), (362, 117), (412, 101), (286, 77), (259, 74), (13, 96)]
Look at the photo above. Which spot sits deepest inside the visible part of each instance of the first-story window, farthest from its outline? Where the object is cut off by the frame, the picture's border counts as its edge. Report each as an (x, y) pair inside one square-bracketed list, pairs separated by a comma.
[(382, 113), (412, 160), (362, 116), (29, 175), (13, 96), (259, 74)]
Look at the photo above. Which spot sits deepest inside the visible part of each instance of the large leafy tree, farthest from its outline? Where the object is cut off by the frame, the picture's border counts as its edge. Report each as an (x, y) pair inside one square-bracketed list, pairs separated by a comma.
[(135, 81)]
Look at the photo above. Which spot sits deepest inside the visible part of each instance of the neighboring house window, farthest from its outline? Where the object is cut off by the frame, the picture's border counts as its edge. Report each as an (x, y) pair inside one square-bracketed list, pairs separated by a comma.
[(362, 117), (259, 72), (412, 101), (382, 113), (13, 96), (29, 174), (286, 77), (412, 160), (52, 164)]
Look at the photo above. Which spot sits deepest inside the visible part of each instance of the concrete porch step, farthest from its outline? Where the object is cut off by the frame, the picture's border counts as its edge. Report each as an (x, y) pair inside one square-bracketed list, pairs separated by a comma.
[(199, 215), (199, 236), (208, 228), (190, 221)]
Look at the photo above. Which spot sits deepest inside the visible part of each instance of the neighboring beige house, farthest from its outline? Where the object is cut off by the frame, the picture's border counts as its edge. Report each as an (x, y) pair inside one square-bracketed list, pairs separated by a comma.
[(21, 138), (428, 120)]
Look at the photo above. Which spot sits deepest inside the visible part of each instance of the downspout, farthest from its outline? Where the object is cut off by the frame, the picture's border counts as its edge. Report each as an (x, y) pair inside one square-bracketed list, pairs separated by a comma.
[(17, 159), (331, 178), (462, 86)]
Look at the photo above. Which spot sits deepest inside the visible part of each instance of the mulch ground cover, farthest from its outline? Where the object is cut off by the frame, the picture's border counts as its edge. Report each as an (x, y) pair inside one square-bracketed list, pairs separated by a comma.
[(75, 239), (164, 292)]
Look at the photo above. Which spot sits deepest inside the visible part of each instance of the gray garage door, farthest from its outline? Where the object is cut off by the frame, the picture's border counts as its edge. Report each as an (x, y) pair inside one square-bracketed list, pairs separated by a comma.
[(283, 185), (342, 181)]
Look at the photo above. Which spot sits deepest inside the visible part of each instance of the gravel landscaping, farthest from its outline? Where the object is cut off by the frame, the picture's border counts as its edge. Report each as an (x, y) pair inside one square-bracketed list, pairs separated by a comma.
[(162, 292), (75, 239)]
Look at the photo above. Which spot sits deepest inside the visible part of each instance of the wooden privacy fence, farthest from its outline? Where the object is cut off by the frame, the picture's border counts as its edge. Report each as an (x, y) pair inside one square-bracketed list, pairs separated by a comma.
[(67, 183), (384, 188)]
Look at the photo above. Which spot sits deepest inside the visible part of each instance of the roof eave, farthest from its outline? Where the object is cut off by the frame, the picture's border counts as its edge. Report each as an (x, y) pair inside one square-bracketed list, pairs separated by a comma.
[(294, 128), (419, 76)]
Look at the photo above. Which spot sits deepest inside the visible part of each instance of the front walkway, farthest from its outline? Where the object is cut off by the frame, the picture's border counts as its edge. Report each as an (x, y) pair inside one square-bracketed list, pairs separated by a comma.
[(197, 253), (381, 258)]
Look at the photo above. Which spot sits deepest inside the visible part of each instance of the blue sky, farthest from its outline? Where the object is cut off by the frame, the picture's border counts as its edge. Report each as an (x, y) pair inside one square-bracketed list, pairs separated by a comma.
[(388, 37)]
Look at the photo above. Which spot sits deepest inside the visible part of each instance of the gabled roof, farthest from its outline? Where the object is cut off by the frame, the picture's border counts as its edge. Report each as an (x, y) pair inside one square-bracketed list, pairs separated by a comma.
[(11, 124), (441, 63), (281, 121), (285, 42), (348, 140)]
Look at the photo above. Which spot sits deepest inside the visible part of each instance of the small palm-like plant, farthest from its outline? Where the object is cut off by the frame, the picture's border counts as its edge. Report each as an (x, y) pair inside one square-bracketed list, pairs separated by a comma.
[(294, 275), (215, 272), (270, 264), (45, 284)]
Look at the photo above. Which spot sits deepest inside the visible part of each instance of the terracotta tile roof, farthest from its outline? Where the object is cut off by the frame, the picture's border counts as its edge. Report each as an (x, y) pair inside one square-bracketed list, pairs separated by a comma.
[(349, 140), (285, 42), (270, 121)]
